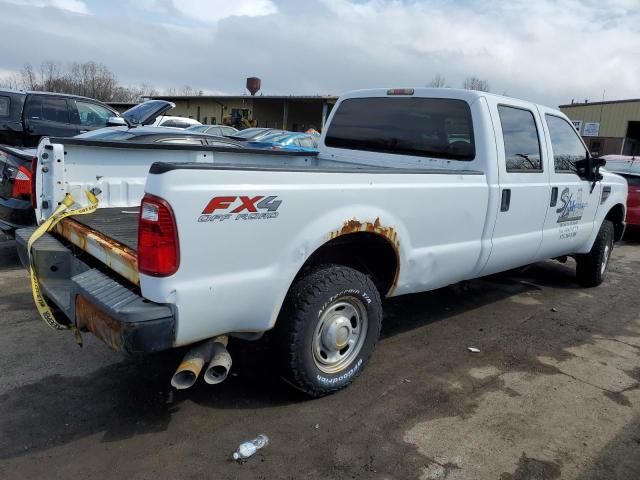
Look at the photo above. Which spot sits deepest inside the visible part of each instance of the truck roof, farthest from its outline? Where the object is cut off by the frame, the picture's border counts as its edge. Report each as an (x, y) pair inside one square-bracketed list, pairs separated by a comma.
[(468, 95), (38, 92)]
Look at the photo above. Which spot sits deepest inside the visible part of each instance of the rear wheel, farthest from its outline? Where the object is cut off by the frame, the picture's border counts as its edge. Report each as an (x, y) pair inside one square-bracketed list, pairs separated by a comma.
[(328, 328), (591, 268)]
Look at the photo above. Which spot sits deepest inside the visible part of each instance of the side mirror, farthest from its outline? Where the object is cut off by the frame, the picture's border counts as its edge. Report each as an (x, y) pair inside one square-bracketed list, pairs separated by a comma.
[(116, 122)]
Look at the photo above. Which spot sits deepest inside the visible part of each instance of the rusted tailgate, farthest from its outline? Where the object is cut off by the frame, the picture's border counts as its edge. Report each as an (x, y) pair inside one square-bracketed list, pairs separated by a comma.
[(120, 258)]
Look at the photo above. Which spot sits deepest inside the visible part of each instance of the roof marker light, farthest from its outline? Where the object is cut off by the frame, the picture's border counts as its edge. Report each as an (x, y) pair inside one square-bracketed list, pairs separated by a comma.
[(400, 91)]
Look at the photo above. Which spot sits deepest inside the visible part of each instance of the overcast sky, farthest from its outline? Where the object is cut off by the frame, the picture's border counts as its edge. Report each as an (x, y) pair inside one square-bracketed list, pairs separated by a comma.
[(541, 50)]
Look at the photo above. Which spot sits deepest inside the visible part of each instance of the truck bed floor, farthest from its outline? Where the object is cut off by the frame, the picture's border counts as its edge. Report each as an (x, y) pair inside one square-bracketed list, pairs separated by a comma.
[(117, 223)]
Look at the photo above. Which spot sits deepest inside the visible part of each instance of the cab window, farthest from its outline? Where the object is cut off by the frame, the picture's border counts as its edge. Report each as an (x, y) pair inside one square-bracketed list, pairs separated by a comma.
[(426, 127), (566, 145), (521, 141), (55, 110)]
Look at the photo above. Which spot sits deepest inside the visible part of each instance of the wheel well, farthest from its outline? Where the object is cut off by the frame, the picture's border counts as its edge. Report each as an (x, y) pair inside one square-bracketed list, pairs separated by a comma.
[(616, 215), (366, 252)]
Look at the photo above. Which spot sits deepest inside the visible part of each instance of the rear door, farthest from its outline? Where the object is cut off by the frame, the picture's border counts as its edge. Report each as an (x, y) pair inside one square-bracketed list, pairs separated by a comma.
[(574, 201), (524, 186), (48, 116)]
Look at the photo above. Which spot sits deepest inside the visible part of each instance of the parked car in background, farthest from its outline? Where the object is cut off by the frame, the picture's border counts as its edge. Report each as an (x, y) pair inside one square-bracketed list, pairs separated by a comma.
[(629, 168), (255, 134), (174, 122), (15, 187), (26, 117), (162, 135), (288, 141), (220, 130), (16, 163)]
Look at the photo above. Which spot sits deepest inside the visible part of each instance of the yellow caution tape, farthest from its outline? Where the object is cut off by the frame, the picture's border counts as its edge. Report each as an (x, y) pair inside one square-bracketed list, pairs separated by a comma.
[(60, 213)]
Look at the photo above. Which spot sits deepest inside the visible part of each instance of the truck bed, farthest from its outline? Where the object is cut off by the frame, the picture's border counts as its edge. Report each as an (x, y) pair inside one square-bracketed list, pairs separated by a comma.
[(110, 235), (118, 223)]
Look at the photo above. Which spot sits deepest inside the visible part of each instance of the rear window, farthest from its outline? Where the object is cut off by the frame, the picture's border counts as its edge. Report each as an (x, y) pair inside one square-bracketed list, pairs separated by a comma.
[(55, 110), (4, 106), (427, 127)]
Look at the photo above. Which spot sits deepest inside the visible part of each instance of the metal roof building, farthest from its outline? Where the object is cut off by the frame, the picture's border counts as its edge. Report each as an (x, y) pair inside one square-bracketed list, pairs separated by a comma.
[(289, 112), (611, 127)]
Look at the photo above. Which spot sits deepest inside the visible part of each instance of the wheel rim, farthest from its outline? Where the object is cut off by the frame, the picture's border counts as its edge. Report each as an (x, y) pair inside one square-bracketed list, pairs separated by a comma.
[(340, 334), (605, 259)]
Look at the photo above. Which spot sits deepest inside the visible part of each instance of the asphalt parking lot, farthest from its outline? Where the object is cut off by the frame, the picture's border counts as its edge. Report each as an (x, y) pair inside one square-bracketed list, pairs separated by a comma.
[(553, 393)]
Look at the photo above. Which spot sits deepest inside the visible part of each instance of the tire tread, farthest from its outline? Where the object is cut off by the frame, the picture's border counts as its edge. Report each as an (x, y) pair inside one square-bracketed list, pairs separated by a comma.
[(307, 291)]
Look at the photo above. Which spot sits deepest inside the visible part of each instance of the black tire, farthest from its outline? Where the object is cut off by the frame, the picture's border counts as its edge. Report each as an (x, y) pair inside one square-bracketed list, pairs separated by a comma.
[(320, 308), (591, 268)]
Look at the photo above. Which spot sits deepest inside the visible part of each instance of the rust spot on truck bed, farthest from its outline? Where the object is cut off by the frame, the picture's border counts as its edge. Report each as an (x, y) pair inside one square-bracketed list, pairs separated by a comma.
[(118, 257), (89, 318), (375, 227)]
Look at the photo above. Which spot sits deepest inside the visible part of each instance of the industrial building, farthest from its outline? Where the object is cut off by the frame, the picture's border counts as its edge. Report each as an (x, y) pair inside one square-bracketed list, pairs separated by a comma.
[(607, 127), (289, 112)]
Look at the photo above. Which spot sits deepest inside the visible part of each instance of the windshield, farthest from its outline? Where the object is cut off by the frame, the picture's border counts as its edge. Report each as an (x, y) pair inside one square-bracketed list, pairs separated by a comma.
[(146, 113), (197, 128), (250, 132)]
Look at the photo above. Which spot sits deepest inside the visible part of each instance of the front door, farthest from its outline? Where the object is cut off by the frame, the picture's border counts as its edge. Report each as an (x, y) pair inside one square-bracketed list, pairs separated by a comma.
[(574, 200), (524, 187)]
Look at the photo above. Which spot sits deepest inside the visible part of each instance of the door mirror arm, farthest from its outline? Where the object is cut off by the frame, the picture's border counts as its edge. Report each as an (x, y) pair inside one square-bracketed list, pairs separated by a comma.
[(594, 170)]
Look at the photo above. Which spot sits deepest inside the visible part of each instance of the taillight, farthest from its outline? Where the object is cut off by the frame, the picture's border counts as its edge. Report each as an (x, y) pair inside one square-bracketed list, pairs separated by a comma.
[(34, 167), (21, 187), (158, 247)]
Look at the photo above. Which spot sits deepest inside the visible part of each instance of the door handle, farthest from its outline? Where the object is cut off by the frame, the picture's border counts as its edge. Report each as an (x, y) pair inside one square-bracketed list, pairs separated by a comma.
[(84, 131), (554, 197), (506, 200)]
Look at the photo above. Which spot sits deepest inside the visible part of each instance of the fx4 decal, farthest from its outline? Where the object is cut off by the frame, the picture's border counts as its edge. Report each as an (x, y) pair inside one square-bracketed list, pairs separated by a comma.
[(241, 207)]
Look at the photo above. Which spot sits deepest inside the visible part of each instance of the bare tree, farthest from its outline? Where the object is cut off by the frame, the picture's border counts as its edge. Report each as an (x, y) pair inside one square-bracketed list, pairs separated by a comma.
[(49, 76), (89, 79), (438, 82), (13, 81), (29, 79), (475, 83)]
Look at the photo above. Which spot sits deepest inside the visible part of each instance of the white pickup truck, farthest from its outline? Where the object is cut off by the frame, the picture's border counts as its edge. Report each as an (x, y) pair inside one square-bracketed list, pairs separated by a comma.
[(412, 190)]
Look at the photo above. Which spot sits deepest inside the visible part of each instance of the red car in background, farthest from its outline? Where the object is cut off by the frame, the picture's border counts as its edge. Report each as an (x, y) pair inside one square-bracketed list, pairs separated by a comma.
[(629, 168)]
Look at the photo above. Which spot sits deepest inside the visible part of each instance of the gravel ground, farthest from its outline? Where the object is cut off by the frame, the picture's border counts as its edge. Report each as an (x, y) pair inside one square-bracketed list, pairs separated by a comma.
[(553, 393)]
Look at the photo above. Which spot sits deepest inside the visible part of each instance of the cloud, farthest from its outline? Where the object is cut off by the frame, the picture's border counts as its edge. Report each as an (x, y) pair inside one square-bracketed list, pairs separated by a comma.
[(547, 51), (77, 6), (207, 11), (214, 10)]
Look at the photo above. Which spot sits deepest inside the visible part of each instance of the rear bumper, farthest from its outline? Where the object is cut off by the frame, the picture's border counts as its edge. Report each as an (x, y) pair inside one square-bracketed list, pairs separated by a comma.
[(94, 301)]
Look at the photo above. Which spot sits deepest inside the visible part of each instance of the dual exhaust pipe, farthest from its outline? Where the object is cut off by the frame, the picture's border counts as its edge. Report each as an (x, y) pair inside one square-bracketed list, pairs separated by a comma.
[(213, 351)]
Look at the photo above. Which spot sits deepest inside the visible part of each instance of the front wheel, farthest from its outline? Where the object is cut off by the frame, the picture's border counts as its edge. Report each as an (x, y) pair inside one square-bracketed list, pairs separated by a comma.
[(591, 268), (327, 329)]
